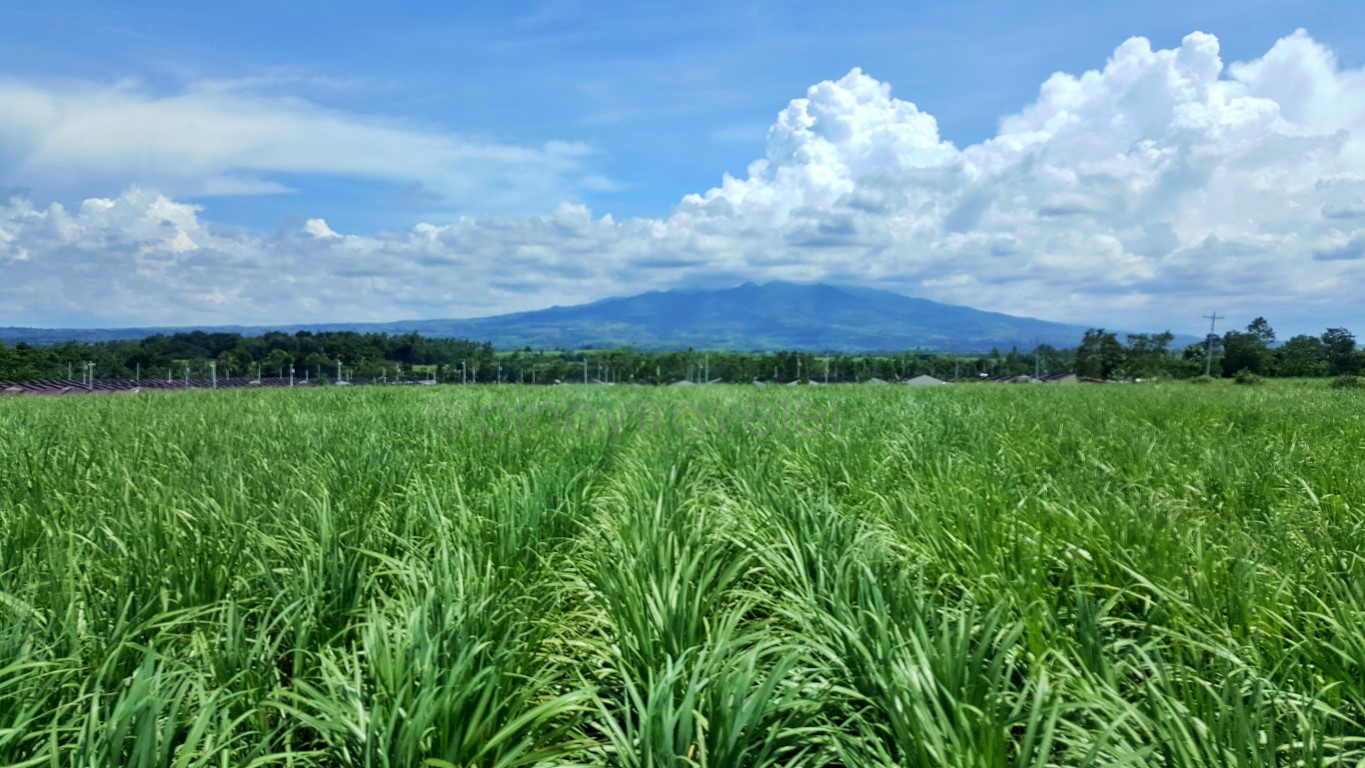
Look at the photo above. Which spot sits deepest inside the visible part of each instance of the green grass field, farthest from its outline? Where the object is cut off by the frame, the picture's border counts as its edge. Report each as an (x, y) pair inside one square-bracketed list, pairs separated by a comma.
[(977, 575)]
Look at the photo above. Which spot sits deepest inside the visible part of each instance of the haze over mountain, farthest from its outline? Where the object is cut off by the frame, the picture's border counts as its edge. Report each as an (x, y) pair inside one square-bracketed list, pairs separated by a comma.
[(749, 317)]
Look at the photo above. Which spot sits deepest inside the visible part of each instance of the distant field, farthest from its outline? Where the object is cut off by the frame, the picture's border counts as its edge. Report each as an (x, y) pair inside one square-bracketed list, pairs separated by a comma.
[(975, 575)]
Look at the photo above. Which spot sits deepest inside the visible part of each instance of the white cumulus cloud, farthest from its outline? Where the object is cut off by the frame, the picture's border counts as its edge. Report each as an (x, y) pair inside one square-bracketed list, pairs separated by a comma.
[(318, 228)]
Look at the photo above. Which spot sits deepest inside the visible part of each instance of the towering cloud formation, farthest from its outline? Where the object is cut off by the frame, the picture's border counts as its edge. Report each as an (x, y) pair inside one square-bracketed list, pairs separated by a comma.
[(1132, 194), (1157, 180)]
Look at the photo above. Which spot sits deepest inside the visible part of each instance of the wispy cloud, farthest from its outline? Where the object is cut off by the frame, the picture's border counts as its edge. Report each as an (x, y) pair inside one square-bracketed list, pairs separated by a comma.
[(230, 138)]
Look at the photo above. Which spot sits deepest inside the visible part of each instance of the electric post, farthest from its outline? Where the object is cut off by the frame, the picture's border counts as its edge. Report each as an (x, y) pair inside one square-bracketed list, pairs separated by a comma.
[(1208, 351)]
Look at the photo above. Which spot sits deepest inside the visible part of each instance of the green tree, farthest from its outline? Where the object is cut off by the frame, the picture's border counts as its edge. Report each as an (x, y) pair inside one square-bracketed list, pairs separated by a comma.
[(1302, 355), (16, 364), (1243, 352), (1260, 328), (1250, 350), (276, 363), (1148, 355), (1196, 354), (1100, 355), (1341, 347)]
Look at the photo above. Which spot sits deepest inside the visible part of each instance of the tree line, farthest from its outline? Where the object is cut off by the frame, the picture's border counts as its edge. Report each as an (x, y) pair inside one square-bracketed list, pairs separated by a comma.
[(325, 355), (1253, 350)]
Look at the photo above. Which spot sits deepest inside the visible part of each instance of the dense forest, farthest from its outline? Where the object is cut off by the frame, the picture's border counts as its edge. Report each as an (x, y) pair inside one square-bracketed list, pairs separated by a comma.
[(322, 357)]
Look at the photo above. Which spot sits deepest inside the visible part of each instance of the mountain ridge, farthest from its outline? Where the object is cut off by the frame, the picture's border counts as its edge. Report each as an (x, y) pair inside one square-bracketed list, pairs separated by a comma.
[(751, 317)]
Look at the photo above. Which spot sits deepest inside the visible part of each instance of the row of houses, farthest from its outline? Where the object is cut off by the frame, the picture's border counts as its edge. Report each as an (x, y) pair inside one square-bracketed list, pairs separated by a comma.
[(116, 386), (925, 380), (1047, 378)]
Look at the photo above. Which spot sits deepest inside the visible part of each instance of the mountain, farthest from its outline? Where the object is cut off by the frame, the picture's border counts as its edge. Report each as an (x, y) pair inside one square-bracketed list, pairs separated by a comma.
[(750, 317)]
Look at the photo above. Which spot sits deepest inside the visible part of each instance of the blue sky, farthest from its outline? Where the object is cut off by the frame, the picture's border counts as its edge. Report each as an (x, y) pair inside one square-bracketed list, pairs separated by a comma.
[(247, 121)]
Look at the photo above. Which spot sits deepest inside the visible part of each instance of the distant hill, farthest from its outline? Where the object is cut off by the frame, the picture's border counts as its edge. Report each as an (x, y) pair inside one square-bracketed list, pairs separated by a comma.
[(750, 317)]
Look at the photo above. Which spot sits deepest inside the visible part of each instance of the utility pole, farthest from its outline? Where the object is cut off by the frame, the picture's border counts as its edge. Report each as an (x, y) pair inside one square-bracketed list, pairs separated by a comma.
[(464, 376), (585, 369), (213, 372), (338, 370), (1208, 351), (291, 374), (187, 377)]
